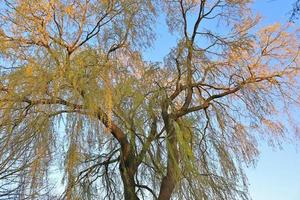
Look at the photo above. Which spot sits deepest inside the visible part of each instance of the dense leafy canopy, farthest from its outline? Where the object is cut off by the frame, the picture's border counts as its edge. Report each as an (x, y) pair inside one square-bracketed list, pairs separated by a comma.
[(79, 101)]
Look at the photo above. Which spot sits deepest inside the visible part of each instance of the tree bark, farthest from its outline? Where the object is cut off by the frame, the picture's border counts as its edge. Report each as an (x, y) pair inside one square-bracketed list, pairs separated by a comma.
[(167, 186), (170, 180), (128, 165), (128, 169)]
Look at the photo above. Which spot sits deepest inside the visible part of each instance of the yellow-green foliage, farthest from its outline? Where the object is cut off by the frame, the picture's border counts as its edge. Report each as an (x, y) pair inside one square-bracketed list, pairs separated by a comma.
[(79, 101)]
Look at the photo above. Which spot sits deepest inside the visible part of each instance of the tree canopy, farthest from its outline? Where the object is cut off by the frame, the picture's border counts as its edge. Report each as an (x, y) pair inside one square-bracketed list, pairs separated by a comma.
[(79, 100)]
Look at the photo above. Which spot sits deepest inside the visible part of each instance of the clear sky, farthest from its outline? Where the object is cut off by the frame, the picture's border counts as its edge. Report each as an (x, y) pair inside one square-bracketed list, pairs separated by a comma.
[(277, 172)]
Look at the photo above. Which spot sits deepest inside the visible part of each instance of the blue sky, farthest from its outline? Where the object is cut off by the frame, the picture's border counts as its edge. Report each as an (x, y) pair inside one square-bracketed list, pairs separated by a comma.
[(277, 172)]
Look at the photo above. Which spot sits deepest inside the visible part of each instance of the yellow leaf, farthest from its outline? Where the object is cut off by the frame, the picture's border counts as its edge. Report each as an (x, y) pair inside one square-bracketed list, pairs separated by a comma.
[(28, 70), (69, 10)]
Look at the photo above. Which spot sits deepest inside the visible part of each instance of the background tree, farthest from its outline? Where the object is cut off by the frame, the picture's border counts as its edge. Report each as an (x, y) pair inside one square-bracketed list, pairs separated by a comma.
[(77, 98)]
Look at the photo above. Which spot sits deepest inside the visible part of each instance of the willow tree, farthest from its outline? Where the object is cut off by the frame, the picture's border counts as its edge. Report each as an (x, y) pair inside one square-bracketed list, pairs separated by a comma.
[(78, 100)]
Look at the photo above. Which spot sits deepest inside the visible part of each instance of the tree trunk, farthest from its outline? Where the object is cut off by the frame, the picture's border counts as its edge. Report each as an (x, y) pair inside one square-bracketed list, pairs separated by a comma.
[(128, 170), (170, 180), (167, 186)]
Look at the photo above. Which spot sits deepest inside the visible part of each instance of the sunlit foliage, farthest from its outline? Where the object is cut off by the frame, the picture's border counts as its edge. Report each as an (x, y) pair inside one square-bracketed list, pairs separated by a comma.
[(78, 101)]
